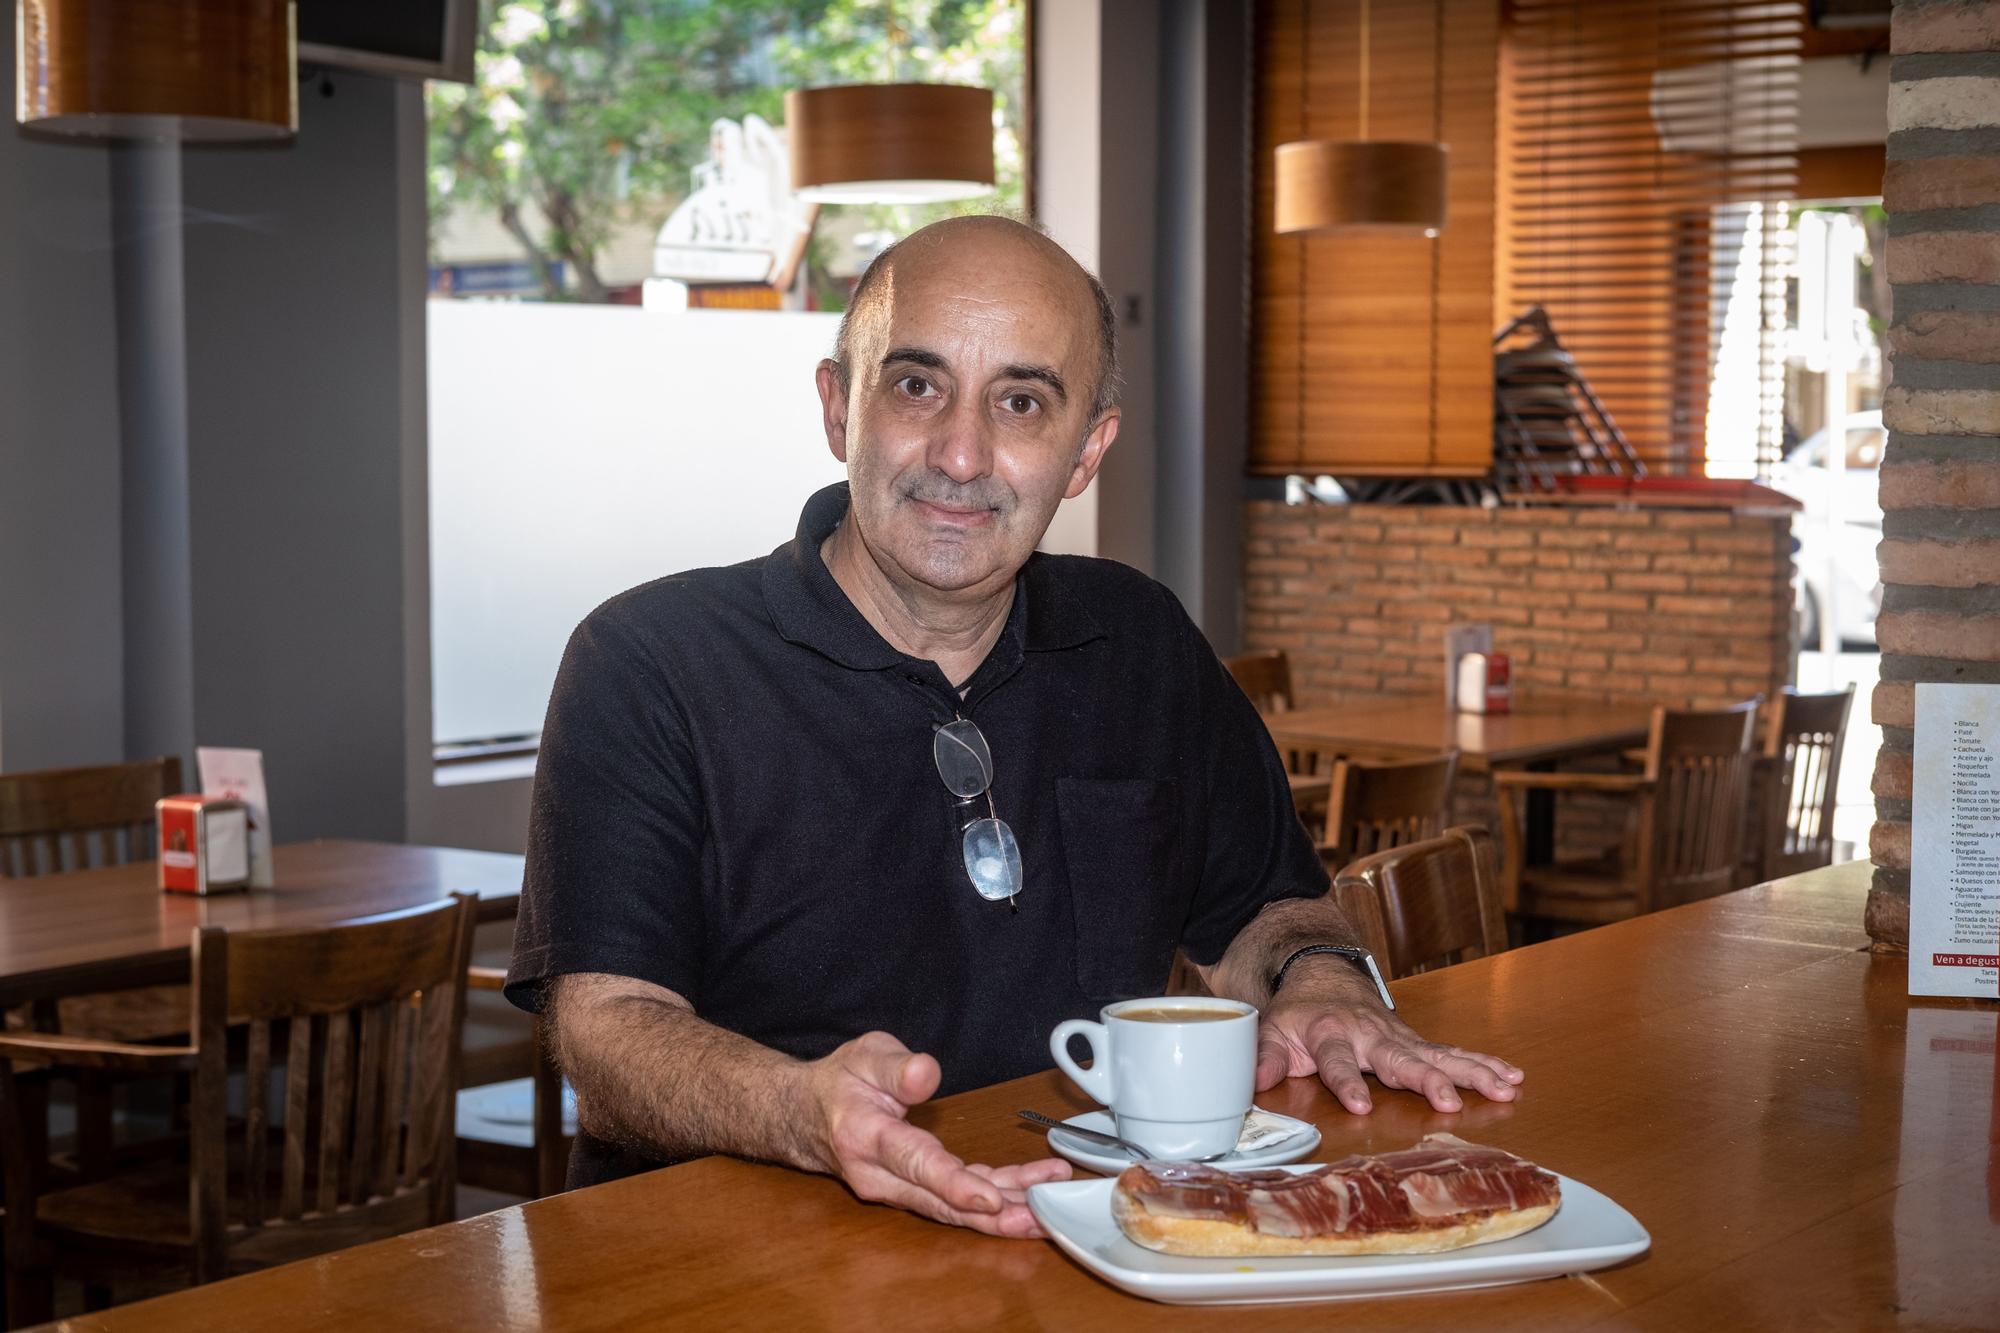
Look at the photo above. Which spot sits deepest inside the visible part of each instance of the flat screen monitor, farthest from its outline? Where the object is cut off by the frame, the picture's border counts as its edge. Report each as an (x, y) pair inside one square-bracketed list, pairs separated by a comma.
[(424, 39)]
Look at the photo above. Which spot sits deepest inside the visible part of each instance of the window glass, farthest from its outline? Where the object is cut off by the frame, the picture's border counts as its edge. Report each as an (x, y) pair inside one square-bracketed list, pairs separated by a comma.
[(628, 303), (592, 121)]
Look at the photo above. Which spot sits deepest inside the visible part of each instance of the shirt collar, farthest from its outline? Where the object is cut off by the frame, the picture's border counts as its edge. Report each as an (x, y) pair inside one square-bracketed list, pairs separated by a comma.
[(811, 610)]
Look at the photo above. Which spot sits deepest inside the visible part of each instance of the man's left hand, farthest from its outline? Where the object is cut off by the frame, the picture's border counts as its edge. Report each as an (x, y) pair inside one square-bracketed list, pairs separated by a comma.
[(1341, 1038)]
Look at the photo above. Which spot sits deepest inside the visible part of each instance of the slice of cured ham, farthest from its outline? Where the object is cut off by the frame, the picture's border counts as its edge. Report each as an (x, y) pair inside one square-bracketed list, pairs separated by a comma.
[(1442, 1194)]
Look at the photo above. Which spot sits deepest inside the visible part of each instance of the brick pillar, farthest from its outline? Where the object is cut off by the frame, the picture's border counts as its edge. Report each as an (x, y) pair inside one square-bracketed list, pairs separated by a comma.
[(1940, 551)]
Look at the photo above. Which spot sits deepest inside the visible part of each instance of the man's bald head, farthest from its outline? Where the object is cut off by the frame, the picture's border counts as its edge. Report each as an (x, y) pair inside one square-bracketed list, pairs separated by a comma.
[(979, 241), (972, 391)]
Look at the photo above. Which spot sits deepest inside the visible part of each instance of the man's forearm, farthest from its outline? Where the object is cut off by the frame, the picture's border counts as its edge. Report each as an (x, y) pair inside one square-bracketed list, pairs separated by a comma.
[(652, 1075), (1275, 934)]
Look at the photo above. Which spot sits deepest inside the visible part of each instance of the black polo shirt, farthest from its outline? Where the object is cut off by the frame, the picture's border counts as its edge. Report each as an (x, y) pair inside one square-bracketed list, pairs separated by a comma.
[(736, 799)]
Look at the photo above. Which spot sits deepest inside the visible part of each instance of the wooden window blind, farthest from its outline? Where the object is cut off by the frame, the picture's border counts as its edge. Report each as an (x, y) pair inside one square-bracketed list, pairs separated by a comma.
[(1371, 354), (1646, 150)]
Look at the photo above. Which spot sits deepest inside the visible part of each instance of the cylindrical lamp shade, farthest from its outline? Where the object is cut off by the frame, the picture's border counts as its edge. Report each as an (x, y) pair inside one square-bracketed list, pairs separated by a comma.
[(1374, 185), (157, 69), (890, 143)]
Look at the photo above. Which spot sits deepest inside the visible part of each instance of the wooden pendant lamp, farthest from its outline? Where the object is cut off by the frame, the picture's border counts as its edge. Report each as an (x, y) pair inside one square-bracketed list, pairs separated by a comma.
[(890, 143), (208, 70), (1379, 185)]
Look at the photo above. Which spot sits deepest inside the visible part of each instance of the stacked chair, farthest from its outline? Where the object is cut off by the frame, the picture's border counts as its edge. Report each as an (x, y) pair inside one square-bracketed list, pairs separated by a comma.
[(1547, 421)]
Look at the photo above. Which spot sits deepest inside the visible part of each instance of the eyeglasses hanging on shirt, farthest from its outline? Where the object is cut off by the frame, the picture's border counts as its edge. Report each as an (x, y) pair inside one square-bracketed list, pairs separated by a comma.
[(992, 857)]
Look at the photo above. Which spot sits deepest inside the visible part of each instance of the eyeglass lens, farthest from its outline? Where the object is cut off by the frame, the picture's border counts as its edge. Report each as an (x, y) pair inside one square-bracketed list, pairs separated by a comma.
[(963, 760), (992, 857)]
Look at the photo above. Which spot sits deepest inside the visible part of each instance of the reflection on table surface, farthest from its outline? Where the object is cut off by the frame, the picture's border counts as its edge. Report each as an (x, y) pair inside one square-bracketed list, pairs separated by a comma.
[(1806, 1145)]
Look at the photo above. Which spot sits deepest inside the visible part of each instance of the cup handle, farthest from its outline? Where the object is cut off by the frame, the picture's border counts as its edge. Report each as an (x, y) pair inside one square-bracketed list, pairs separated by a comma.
[(1095, 1080)]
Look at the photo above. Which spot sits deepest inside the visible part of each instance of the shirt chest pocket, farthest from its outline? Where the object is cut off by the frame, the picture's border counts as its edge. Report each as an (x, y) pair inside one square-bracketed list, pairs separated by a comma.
[(1122, 848)]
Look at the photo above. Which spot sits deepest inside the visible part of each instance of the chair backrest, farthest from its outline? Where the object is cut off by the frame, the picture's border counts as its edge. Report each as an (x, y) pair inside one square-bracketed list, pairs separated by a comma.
[(1691, 828), (1803, 740), (370, 1014), (1266, 677), (1379, 804), (1427, 904), (52, 819)]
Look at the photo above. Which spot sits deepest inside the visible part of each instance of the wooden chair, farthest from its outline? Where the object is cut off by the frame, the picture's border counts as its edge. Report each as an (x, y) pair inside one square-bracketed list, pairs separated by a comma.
[(52, 819), (1375, 805), (1372, 806), (1266, 677), (365, 1020), (540, 1169), (61, 819), (1688, 801), (1426, 904), (1797, 781)]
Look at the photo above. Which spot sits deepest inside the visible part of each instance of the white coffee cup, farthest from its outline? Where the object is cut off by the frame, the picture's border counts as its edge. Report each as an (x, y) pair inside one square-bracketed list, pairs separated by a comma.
[(1178, 1087)]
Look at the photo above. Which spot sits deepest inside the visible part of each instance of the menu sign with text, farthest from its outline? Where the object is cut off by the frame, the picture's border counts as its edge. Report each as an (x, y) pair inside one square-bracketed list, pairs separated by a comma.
[(239, 776), (1955, 842)]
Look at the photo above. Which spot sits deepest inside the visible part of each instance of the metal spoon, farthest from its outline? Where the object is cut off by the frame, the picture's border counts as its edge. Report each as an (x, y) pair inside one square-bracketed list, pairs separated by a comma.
[(1110, 1140), (1094, 1135)]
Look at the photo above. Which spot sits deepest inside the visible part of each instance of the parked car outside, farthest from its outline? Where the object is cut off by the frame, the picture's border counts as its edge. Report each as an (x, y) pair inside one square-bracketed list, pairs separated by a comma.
[(1839, 558)]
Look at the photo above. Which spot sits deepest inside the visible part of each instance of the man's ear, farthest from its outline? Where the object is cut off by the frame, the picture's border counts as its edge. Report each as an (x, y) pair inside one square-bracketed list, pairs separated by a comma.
[(832, 407), (1094, 446)]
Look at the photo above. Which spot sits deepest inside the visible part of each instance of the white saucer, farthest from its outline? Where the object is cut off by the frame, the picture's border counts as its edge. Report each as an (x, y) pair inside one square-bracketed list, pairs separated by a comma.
[(1265, 1129)]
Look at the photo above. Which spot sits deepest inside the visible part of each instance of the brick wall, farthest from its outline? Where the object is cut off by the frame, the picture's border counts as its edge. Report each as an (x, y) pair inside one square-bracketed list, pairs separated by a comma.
[(1940, 551), (1689, 608)]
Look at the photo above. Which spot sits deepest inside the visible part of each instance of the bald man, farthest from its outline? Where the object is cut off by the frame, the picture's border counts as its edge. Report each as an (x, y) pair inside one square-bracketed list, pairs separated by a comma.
[(818, 836)]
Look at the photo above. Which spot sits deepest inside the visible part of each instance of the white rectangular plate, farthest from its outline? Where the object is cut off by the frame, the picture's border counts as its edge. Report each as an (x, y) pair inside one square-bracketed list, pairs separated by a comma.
[(1589, 1231)]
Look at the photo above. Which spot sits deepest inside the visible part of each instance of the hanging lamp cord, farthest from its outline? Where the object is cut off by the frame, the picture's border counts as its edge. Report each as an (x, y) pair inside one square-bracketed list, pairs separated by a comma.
[(1437, 245), (1305, 250)]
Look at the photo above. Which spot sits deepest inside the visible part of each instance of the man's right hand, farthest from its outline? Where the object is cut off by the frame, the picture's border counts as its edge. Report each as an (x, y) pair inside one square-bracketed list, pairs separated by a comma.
[(859, 1098)]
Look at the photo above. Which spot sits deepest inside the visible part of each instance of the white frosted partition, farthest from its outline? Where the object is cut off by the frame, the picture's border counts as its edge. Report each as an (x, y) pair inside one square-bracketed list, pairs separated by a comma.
[(578, 450)]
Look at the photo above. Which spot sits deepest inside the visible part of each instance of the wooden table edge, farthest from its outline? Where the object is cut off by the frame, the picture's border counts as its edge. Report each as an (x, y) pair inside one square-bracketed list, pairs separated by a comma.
[(169, 966)]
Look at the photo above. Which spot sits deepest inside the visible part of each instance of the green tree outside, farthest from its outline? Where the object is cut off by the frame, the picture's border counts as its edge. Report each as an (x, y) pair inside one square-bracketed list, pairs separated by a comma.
[(591, 113)]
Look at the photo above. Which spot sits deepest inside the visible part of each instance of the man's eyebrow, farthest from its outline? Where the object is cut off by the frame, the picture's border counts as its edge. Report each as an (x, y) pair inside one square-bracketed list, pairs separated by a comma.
[(1041, 375), (914, 356)]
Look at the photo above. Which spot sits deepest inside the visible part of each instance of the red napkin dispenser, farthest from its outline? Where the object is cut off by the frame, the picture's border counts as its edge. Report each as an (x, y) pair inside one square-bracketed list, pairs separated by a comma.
[(204, 844)]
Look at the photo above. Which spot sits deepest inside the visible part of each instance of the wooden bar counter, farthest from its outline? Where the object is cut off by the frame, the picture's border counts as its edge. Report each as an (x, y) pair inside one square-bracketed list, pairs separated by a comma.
[(1807, 1146)]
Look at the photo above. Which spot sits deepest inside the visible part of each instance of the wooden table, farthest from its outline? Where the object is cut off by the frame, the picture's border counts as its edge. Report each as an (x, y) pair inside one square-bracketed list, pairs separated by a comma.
[(1541, 729), (1540, 732), (112, 928), (1808, 1147)]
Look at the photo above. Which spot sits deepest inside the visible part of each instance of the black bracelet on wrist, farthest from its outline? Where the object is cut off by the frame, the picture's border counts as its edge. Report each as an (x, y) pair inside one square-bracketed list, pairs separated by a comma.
[(1360, 957)]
